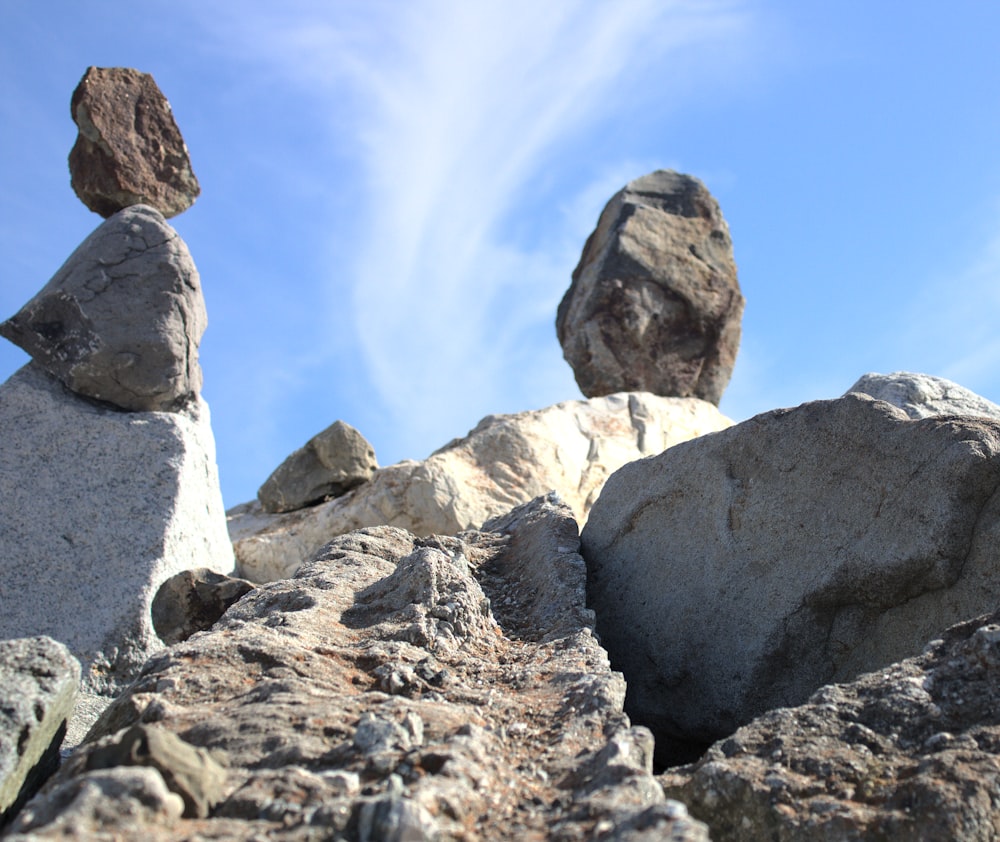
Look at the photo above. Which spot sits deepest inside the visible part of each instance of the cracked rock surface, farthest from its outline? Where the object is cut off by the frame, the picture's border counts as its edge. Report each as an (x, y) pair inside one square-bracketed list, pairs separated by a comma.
[(122, 319), (397, 688), (739, 572), (908, 752)]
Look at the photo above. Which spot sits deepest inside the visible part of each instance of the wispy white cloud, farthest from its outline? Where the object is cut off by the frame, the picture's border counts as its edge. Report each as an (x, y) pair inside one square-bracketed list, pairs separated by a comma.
[(458, 110)]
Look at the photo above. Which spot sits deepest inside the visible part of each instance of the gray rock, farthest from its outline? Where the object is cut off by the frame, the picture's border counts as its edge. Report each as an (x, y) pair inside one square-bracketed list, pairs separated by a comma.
[(655, 304), (129, 150), (740, 571), (122, 319), (923, 396), (908, 752), (38, 683), (192, 601), (403, 688), (100, 508), (330, 464)]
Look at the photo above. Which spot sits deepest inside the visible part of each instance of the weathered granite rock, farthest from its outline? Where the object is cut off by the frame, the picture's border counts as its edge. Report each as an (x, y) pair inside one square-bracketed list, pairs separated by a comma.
[(400, 688), (923, 396), (506, 460), (38, 682), (129, 150), (909, 752), (741, 571), (330, 464), (122, 319), (100, 508), (655, 304), (192, 601)]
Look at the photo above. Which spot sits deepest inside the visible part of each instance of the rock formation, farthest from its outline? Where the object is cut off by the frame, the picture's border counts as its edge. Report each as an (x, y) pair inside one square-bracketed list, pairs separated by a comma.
[(738, 572), (924, 396), (909, 752), (129, 150), (331, 463), (655, 304), (100, 508), (38, 681), (397, 688), (506, 460), (122, 319)]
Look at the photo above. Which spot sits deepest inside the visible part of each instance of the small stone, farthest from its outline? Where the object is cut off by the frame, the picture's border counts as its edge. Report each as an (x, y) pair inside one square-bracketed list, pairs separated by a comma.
[(129, 150), (192, 601), (330, 464)]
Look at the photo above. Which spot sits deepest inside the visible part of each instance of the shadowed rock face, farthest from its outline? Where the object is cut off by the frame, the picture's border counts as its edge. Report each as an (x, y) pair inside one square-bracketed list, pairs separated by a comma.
[(740, 571), (397, 688), (655, 304), (129, 150)]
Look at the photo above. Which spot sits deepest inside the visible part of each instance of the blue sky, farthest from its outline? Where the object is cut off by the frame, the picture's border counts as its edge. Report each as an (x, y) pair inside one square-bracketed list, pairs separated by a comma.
[(394, 194)]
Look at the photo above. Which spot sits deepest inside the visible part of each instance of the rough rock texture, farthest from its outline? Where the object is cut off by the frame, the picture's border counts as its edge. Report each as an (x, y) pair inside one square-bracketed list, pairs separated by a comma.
[(397, 688), (331, 463), (122, 319), (923, 396), (192, 601), (99, 508), (129, 150), (741, 571), (910, 752), (655, 304), (506, 460), (38, 681)]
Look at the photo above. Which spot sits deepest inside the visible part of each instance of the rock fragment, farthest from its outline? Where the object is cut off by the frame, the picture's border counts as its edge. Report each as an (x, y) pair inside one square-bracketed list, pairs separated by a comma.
[(740, 571), (38, 684), (505, 461), (655, 304), (331, 463), (906, 752), (129, 150), (192, 601), (122, 319)]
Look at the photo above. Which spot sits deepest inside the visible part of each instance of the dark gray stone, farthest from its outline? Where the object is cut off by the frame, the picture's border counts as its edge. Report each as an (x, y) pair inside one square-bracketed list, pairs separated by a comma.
[(122, 319), (192, 601)]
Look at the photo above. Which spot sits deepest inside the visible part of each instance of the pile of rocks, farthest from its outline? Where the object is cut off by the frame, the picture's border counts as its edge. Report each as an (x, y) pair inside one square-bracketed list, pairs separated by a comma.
[(417, 651)]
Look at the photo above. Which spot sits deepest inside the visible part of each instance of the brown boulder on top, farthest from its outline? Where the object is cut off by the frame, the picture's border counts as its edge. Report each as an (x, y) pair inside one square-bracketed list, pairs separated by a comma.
[(129, 150), (655, 304)]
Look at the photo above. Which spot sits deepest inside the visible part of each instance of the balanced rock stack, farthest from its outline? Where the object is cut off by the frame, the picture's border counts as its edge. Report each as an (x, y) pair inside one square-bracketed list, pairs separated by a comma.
[(425, 664), (107, 465)]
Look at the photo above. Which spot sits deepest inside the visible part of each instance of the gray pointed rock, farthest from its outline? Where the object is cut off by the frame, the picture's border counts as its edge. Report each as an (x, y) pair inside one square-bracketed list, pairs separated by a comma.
[(122, 319)]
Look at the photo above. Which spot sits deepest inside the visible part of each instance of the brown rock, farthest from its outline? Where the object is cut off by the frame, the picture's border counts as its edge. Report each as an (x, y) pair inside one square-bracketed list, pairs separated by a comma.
[(192, 601), (655, 304), (129, 150)]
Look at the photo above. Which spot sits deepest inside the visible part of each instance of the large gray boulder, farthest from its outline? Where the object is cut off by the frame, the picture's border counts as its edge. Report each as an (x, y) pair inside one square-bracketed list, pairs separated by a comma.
[(100, 508), (923, 395), (655, 304), (397, 688), (506, 460), (38, 683), (740, 571), (329, 464), (909, 752), (122, 319), (129, 150)]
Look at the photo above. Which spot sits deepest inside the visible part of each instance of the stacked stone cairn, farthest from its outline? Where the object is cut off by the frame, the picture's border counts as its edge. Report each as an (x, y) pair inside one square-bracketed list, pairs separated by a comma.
[(776, 630)]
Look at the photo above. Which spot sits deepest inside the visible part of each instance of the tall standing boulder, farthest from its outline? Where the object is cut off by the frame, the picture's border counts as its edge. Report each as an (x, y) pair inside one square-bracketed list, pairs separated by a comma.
[(129, 150), (740, 571), (122, 319), (100, 508), (655, 304)]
